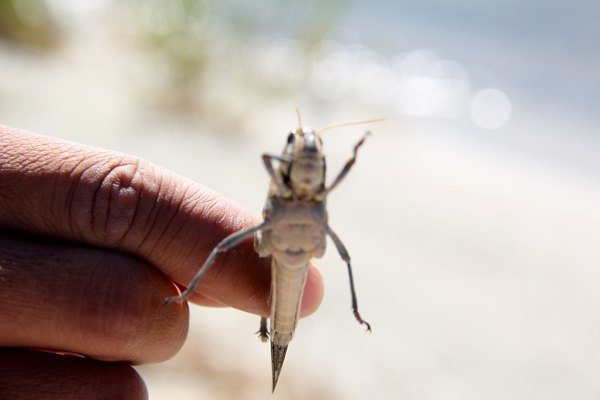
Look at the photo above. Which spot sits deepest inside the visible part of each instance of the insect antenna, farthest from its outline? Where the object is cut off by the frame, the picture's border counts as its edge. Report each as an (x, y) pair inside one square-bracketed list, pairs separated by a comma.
[(338, 124), (299, 118)]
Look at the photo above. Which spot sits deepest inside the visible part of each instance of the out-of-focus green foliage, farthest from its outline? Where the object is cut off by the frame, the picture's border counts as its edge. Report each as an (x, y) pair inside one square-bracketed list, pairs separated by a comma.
[(28, 23), (175, 31), (196, 53), (195, 42)]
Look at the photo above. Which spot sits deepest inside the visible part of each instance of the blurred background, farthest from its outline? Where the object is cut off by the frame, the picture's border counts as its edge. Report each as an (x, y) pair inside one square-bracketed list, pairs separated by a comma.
[(473, 212)]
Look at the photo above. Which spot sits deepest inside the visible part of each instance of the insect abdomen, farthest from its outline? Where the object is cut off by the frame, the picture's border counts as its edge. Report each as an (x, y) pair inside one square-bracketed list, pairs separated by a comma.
[(287, 289)]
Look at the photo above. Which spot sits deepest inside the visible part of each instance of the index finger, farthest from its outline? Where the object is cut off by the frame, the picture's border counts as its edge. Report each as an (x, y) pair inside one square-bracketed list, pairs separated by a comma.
[(65, 190)]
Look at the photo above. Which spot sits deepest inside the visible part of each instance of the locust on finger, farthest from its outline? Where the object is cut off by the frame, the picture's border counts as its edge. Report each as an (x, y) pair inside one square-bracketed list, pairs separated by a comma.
[(293, 231)]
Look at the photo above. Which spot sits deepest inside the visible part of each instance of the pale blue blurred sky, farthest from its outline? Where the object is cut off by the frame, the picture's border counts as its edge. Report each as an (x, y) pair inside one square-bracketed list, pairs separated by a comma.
[(544, 49)]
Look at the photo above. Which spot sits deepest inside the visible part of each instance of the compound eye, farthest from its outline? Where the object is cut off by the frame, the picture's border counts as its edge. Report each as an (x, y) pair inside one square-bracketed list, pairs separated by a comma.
[(290, 138)]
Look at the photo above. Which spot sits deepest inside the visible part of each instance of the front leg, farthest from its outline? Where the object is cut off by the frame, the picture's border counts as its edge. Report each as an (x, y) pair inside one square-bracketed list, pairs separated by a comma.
[(346, 257), (226, 244), (275, 177), (347, 166)]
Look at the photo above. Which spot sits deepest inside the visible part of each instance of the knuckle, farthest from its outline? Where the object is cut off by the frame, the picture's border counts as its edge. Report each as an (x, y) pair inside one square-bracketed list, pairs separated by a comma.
[(110, 201), (116, 202)]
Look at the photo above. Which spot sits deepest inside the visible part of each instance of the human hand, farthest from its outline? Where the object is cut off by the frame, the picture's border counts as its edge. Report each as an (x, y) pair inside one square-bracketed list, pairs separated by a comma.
[(91, 242)]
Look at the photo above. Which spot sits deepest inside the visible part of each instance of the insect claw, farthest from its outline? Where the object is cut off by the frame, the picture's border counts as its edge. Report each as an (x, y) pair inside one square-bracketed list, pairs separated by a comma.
[(263, 331), (264, 337), (362, 321)]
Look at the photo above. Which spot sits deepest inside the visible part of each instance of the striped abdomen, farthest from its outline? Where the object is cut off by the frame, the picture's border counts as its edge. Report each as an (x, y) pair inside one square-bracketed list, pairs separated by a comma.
[(287, 286)]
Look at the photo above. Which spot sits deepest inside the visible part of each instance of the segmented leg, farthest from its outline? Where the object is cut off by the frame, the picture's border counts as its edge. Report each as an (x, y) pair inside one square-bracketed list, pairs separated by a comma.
[(263, 331), (347, 166), (346, 257), (275, 177), (226, 244)]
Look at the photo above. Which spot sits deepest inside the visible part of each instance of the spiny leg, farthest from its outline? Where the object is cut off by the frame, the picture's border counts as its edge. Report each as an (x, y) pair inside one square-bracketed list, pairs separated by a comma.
[(226, 244), (263, 331), (348, 164), (346, 257)]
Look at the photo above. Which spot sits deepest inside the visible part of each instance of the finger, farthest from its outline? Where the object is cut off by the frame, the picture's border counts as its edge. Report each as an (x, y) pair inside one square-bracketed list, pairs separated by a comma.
[(112, 200), (314, 281), (86, 301), (26, 374), (200, 299), (312, 296)]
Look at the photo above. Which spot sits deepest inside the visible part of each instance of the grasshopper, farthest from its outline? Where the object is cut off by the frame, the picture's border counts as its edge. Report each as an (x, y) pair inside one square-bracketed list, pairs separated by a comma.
[(293, 231)]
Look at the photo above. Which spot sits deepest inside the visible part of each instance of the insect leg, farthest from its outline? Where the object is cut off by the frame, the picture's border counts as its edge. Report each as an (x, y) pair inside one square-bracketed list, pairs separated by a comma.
[(226, 244), (346, 257), (348, 164), (268, 161), (263, 331)]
